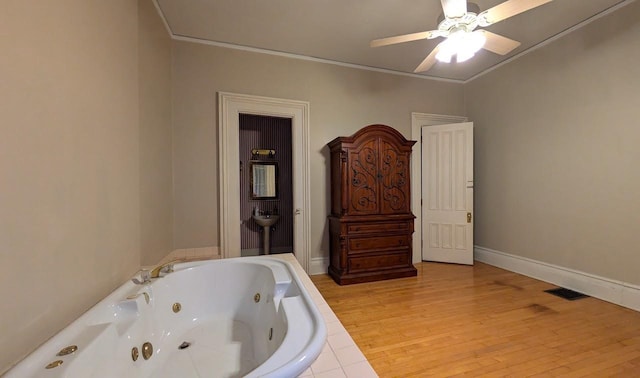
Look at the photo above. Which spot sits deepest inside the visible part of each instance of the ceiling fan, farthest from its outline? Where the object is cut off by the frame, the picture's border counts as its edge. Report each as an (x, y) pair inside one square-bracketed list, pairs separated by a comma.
[(458, 27)]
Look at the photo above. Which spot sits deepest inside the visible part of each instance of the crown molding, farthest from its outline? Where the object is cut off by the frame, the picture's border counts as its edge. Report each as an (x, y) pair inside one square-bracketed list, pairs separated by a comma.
[(547, 41), (178, 37), (183, 38)]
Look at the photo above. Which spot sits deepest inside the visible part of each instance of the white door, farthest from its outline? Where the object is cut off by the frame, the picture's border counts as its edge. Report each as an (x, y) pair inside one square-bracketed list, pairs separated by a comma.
[(447, 193)]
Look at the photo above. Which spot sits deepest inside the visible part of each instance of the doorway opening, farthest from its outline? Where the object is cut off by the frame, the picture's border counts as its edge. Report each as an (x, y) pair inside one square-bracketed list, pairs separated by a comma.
[(230, 106), (266, 185)]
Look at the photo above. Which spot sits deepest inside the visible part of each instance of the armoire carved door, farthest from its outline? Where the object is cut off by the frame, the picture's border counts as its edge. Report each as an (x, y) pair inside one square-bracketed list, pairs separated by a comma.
[(371, 223)]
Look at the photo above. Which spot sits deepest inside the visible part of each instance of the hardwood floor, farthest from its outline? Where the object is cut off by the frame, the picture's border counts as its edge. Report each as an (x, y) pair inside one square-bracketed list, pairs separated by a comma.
[(483, 321)]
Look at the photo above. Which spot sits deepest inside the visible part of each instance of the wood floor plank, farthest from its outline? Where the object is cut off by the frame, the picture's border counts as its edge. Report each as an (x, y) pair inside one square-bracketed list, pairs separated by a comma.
[(454, 320)]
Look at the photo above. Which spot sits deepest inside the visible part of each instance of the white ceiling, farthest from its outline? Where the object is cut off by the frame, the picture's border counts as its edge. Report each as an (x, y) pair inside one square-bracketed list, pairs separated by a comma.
[(340, 30)]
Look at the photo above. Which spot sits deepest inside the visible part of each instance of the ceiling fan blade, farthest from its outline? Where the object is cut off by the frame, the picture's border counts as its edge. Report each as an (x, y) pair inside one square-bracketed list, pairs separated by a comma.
[(429, 61), (508, 9), (497, 43), (405, 38), (454, 8)]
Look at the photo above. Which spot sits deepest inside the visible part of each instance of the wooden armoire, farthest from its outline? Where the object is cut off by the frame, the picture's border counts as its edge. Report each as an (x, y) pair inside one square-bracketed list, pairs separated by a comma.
[(371, 223)]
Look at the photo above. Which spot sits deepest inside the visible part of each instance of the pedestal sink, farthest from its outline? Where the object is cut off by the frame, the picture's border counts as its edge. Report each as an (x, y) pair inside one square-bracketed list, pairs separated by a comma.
[(266, 221)]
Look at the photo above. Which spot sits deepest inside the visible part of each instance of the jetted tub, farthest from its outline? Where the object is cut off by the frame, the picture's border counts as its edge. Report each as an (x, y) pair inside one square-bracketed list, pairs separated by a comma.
[(238, 317)]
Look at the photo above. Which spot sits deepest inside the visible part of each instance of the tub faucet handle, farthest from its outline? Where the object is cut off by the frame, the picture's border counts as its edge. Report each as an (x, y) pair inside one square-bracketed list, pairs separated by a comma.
[(163, 268), (144, 278)]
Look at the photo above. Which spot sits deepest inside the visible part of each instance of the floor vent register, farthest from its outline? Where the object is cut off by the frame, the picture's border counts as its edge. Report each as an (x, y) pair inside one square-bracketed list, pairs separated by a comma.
[(567, 294)]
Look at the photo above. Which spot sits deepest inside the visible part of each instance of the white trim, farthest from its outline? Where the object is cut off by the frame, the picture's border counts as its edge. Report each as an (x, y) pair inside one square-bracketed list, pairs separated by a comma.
[(318, 265), (417, 121), (309, 58), (183, 38), (547, 41), (164, 20), (230, 105), (618, 292)]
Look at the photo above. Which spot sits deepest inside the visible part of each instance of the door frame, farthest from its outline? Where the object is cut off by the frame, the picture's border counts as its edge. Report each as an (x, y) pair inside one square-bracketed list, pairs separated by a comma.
[(230, 105), (418, 120)]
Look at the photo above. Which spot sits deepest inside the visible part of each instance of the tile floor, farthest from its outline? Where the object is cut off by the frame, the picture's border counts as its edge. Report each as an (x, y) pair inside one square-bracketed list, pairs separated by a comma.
[(341, 357)]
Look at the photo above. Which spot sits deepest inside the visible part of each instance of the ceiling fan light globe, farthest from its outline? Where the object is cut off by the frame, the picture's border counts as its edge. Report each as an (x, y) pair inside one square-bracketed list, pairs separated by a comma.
[(444, 56), (475, 41), (455, 41), (461, 44), (463, 56), (449, 48)]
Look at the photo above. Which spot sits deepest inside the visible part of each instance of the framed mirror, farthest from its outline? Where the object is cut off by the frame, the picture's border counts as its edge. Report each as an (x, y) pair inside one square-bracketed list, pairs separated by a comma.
[(264, 180)]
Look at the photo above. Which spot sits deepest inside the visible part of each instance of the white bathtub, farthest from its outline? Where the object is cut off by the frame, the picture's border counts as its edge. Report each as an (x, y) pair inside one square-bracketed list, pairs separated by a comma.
[(239, 317)]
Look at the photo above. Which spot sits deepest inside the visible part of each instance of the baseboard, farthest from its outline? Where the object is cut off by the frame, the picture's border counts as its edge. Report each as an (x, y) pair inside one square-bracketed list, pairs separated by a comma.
[(318, 265), (617, 292)]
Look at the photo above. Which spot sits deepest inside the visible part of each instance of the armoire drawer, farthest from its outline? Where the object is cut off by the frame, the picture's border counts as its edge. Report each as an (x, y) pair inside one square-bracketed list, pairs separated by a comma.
[(372, 228), (378, 262), (378, 242)]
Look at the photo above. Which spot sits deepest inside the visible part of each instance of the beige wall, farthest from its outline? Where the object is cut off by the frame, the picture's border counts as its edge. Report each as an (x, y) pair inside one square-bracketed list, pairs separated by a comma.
[(557, 151), (104, 118), (70, 160), (342, 100), (156, 175)]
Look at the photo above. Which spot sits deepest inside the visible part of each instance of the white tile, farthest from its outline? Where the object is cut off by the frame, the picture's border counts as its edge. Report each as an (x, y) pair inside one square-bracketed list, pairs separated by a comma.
[(316, 296), (329, 317), (340, 340), (340, 356), (326, 361), (324, 308), (335, 373), (334, 328), (350, 355), (360, 370), (306, 373)]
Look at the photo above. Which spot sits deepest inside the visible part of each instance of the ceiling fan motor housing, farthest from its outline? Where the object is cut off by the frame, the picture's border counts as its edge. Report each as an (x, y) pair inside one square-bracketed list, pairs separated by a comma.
[(469, 22), (462, 42)]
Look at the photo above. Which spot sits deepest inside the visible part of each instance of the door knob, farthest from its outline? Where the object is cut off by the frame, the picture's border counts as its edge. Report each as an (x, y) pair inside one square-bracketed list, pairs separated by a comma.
[(468, 217), (297, 212)]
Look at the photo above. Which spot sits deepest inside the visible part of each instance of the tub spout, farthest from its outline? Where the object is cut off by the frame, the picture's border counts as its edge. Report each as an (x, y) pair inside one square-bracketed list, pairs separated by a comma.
[(163, 268), (144, 293)]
